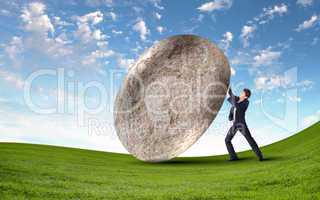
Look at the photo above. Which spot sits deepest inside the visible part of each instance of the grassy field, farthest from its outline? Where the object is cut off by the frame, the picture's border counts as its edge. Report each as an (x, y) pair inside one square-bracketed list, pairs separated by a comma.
[(291, 171)]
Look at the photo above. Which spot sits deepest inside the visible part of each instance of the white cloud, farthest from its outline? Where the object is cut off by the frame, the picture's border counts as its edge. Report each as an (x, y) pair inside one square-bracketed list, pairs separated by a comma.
[(94, 3), (12, 79), (157, 15), (308, 23), (226, 41), (14, 48), (98, 54), (102, 44), (247, 33), (84, 32), (98, 35), (228, 36), (267, 83), (36, 20), (311, 119), (62, 39), (277, 9), (113, 16), (156, 4), (270, 12), (124, 62), (56, 47), (86, 27), (59, 22), (200, 17), (61, 130), (241, 58), (5, 12), (116, 32), (160, 29), (294, 98), (266, 57), (94, 18), (215, 5), (141, 28), (272, 82), (305, 3), (305, 85), (233, 71)]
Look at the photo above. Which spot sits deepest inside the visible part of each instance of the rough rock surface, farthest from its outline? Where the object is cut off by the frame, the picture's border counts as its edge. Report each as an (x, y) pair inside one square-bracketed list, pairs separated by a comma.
[(170, 96)]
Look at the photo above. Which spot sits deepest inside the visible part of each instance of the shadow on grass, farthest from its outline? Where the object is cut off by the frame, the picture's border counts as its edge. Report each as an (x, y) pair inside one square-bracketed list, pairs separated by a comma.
[(207, 161), (268, 159), (204, 160)]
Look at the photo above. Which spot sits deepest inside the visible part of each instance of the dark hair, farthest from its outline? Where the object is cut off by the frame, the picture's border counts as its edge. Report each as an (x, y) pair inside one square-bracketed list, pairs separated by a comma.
[(247, 92)]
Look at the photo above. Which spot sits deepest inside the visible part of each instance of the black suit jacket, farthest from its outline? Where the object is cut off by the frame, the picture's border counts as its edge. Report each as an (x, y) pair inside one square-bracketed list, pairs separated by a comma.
[(241, 108)]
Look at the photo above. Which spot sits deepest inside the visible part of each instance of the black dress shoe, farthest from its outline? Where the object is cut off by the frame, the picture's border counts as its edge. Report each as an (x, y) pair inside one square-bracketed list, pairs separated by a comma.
[(261, 159), (233, 159)]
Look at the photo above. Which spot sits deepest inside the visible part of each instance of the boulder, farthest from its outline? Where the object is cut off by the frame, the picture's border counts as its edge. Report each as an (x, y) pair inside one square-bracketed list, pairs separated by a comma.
[(170, 96)]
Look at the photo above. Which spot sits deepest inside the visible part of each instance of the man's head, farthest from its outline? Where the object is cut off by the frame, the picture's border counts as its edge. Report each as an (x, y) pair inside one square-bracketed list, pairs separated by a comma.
[(246, 93)]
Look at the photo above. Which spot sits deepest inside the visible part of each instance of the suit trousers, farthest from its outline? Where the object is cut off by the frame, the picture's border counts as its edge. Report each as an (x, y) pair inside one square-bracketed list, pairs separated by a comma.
[(242, 127)]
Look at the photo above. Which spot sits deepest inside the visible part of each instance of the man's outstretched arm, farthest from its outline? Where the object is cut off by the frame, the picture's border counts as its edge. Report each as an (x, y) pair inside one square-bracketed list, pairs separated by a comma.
[(232, 99), (230, 92)]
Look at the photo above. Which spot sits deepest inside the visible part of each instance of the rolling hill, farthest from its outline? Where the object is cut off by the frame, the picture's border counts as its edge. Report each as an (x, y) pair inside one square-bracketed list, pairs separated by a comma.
[(291, 171)]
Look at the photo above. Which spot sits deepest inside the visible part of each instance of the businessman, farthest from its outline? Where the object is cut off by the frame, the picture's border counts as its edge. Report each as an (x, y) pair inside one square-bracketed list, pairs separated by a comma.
[(237, 116)]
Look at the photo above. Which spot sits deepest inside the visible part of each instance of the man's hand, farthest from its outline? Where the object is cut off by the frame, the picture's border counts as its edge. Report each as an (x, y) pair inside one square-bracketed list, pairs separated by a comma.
[(230, 92)]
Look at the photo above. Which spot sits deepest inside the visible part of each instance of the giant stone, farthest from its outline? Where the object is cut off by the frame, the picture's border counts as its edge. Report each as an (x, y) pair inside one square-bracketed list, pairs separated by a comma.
[(170, 96)]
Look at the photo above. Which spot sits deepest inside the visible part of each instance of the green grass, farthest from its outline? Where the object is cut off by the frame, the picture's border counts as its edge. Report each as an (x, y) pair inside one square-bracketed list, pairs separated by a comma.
[(291, 171)]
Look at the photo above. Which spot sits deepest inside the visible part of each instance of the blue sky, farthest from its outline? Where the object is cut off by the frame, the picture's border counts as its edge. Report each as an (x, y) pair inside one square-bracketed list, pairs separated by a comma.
[(83, 49)]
